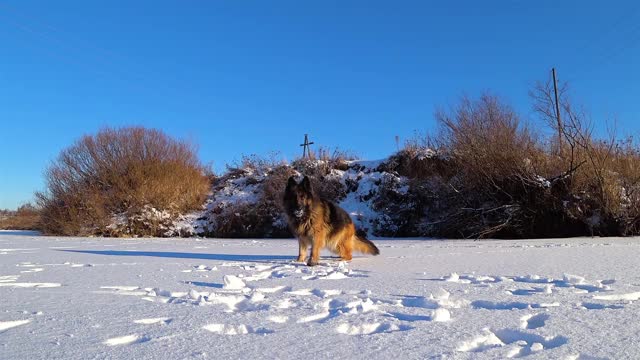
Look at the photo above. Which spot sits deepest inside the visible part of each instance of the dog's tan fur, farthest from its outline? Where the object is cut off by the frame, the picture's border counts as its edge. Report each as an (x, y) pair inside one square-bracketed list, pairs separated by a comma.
[(321, 225)]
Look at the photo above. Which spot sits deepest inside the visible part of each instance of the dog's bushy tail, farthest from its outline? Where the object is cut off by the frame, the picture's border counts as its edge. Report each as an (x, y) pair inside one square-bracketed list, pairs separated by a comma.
[(364, 245)]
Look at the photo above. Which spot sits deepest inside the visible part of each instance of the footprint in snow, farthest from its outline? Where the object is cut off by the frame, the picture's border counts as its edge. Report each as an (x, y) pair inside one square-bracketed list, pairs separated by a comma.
[(126, 340), (32, 270), (634, 296), (437, 315), (469, 279), (440, 298), (370, 328), (278, 319), (151, 321), (200, 268), (518, 343), (10, 281), (273, 290), (596, 306), (6, 325), (337, 307), (534, 321), (29, 285), (584, 357), (228, 329), (547, 289), (408, 317), (492, 305), (568, 281)]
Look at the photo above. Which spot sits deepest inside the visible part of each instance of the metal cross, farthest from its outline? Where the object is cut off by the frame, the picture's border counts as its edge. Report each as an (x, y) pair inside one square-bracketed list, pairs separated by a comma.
[(306, 151)]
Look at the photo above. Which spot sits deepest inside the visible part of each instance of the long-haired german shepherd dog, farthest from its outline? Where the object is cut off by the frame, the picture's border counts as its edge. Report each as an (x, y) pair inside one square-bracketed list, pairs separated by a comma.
[(319, 223)]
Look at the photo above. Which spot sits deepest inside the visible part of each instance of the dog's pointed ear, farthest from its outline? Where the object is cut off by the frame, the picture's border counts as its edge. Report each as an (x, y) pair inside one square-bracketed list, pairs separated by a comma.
[(292, 182), (306, 184)]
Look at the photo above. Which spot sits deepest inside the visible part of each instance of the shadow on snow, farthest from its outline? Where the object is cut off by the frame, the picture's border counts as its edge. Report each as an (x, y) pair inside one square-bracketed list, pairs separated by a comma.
[(181, 255)]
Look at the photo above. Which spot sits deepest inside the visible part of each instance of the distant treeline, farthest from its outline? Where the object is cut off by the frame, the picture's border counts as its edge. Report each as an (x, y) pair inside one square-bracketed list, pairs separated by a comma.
[(26, 217)]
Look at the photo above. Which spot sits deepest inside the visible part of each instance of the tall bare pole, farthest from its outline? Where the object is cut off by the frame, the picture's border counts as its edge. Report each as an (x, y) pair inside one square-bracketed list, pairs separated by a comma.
[(555, 90)]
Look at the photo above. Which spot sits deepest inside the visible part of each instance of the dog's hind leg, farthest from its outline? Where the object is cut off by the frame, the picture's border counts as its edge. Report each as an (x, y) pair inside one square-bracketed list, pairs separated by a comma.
[(345, 243), (345, 253)]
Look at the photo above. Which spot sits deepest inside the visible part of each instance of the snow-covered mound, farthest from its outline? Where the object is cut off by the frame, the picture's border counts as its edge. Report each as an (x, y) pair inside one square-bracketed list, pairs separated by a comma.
[(417, 193), (237, 197)]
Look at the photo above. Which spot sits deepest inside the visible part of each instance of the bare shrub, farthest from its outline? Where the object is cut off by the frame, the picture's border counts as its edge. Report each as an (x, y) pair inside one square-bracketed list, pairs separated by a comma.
[(120, 172), (508, 182), (487, 140), (477, 176), (606, 187), (477, 180), (602, 174), (626, 164)]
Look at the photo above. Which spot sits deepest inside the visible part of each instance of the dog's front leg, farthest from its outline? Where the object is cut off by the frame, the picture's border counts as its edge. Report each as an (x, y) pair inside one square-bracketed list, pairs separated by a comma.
[(317, 243), (303, 245)]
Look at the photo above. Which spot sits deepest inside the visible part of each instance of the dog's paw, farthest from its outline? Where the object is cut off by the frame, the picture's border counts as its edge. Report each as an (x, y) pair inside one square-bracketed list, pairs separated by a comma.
[(312, 262)]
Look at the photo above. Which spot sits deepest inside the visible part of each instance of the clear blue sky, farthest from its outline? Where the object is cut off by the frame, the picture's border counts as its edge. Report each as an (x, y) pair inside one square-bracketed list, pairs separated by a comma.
[(242, 77)]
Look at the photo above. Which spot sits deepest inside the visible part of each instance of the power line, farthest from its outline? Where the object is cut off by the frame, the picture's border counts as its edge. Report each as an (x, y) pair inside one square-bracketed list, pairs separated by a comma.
[(617, 23), (50, 30), (620, 30), (62, 50)]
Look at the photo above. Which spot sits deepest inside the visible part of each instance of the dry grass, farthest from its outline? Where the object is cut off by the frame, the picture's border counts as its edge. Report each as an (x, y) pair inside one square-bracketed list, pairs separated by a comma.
[(610, 178), (120, 171), (26, 217), (321, 162)]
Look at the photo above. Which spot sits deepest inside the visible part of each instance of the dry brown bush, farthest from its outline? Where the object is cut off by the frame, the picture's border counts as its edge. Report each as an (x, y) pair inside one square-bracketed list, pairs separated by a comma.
[(603, 174), (608, 181), (487, 141), (503, 180), (119, 172), (483, 175)]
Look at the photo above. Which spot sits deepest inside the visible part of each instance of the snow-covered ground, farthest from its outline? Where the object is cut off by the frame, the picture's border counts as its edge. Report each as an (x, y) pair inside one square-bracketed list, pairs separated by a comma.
[(80, 298)]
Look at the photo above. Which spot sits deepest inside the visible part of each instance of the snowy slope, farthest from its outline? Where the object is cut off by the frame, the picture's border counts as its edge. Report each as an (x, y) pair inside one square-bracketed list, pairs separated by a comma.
[(360, 185), (79, 298)]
